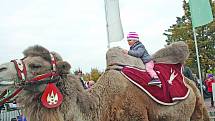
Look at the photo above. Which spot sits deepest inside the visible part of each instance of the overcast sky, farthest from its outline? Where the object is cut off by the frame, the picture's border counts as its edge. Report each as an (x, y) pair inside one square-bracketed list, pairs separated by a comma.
[(76, 28)]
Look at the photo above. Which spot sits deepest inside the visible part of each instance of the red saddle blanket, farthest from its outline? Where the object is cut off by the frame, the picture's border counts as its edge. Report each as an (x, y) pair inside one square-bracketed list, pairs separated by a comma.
[(173, 86)]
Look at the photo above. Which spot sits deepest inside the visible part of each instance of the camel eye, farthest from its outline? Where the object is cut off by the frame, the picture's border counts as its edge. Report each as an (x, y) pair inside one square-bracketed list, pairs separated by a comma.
[(35, 66)]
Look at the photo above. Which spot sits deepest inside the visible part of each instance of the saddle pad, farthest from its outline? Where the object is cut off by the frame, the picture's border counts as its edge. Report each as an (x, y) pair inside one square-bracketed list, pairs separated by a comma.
[(173, 87)]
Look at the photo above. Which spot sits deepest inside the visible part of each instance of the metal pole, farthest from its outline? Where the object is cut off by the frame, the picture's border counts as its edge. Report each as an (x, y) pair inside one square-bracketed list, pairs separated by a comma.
[(107, 24), (197, 57)]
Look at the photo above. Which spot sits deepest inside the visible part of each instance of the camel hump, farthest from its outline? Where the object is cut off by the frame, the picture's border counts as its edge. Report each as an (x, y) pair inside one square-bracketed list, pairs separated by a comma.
[(115, 55), (177, 52), (174, 53)]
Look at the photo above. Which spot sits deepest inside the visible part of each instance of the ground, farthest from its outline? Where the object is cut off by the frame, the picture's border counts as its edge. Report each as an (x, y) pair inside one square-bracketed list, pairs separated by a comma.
[(208, 105), (211, 110)]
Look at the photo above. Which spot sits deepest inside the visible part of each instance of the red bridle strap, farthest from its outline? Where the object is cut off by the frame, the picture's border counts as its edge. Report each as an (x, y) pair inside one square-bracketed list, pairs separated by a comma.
[(3, 94), (21, 69), (53, 62), (11, 96), (43, 76)]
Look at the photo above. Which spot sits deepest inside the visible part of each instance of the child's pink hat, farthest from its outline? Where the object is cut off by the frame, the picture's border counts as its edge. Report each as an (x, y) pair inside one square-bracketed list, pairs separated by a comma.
[(133, 36)]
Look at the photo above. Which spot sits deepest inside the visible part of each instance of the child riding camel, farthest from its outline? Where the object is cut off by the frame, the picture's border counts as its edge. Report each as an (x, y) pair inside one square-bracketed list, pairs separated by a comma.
[(137, 49)]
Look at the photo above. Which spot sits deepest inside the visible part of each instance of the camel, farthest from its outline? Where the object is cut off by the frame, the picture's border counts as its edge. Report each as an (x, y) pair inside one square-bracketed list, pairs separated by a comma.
[(112, 98)]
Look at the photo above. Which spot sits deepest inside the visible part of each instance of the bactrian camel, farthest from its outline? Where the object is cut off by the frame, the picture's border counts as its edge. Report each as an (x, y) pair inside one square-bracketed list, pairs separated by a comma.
[(112, 98)]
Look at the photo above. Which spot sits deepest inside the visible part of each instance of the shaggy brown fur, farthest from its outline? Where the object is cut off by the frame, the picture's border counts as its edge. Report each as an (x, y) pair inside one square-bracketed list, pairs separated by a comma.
[(177, 52), (113, 97), (69, 86), (179, 49)]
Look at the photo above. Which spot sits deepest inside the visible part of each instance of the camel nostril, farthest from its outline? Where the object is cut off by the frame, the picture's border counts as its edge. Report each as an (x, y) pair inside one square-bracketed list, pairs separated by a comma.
[(3, 69)]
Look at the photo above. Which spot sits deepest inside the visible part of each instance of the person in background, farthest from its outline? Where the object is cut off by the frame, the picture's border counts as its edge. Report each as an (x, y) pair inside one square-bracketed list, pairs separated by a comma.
[(137, 49), (21, 118), (80, 76), (188, 73), (208, 83), (89, 84)]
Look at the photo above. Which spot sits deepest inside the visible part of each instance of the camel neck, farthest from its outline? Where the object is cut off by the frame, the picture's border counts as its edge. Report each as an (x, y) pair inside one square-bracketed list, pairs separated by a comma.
[(78, 103)]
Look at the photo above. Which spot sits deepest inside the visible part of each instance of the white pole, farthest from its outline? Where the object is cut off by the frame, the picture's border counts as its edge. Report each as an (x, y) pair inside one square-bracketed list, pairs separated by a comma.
[(213, 91), (107, 24), (197, 56)]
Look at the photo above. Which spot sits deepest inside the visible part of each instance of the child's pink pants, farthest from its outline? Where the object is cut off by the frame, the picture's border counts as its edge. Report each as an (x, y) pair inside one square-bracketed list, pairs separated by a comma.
[(150, 70)]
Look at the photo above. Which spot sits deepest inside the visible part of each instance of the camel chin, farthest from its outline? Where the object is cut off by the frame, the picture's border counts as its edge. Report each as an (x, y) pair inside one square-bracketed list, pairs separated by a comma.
[(5, 85)]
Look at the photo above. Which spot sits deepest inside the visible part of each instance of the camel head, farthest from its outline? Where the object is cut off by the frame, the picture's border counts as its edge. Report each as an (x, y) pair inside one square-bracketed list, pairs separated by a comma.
[(34, 72)]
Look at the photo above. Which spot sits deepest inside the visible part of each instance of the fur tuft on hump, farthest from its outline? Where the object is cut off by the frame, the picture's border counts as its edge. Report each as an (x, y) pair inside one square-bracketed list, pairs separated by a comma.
[(174, 53)]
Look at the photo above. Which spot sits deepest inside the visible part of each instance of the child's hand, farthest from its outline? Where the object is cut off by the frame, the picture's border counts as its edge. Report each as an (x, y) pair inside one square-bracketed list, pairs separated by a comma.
[(125, 51)]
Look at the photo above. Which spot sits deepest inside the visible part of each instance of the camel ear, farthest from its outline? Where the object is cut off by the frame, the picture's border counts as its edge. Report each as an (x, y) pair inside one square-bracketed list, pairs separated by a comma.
[(57, 56), (63, 67)]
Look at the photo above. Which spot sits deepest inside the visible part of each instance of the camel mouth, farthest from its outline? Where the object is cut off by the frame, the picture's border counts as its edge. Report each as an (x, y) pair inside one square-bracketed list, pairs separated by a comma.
[(6, 83)]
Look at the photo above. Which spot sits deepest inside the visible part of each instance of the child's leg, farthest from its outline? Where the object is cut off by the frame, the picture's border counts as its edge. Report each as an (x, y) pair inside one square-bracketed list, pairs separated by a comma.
[(150, 70)]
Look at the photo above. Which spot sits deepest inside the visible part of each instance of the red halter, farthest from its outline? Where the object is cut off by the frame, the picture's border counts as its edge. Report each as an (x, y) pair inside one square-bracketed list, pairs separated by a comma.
[(20, 68), (51, 97)]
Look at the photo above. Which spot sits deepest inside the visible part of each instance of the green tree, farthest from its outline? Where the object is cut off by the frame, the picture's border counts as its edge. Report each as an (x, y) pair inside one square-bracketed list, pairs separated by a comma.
[(87, 77), (95, 74), (182, 31)]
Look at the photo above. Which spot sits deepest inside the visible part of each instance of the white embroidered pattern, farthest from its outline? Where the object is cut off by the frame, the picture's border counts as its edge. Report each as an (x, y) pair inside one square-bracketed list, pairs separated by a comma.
[(172, 77), (52, 99)]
